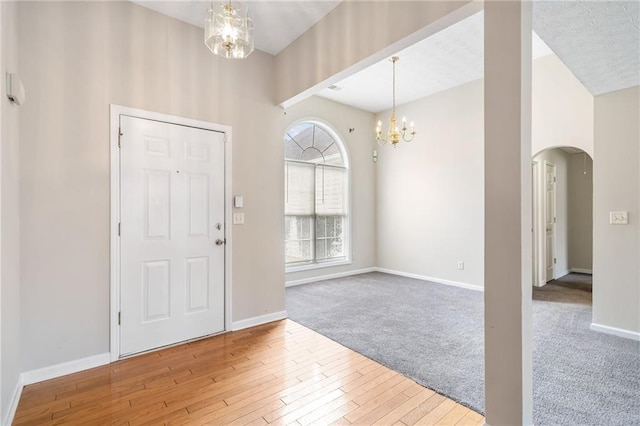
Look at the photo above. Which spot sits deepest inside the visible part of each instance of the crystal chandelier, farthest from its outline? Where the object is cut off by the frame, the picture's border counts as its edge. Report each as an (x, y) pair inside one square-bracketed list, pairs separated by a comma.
[(394, 133), (228, 30)]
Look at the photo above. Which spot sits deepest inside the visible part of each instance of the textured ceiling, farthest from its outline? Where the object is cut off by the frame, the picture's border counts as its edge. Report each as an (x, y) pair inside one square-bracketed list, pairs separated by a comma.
[(275, 23), (599, 41), (447, 59)]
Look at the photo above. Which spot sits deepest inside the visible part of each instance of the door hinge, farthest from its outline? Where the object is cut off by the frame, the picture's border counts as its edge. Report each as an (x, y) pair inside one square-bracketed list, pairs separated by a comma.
[(118, 229), (555, 260), (555, 220), (119, 317), (554, 178), (119, 137)]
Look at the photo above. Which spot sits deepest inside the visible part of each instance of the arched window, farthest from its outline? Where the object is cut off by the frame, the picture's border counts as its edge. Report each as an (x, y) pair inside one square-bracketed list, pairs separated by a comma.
[(316, 197)]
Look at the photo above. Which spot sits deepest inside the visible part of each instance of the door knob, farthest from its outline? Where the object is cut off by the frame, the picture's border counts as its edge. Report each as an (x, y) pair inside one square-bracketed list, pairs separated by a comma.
[(220, 242)]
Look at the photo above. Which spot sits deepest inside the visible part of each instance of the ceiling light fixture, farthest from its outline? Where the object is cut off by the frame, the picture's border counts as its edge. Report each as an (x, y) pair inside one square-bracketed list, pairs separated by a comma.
[(228, 30), (394, 133)]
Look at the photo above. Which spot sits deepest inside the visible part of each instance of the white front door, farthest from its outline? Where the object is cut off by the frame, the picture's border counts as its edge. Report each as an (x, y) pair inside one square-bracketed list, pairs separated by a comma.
[(550, 218), (172, 233)]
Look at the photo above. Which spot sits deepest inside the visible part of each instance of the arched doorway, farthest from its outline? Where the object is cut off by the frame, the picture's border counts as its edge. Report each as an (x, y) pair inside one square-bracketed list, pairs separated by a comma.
[(562, 213)]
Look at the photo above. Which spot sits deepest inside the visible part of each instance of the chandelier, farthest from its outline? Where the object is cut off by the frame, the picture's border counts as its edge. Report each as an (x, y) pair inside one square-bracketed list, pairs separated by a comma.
[(228, 30), (394, 133)]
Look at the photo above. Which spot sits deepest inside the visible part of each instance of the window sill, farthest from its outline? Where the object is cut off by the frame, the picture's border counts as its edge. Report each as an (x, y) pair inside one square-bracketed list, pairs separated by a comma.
[(312, 266)]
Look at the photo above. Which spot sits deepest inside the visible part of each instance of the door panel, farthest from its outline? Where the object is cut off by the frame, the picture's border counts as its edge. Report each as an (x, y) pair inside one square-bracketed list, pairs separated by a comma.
[(172, 272)]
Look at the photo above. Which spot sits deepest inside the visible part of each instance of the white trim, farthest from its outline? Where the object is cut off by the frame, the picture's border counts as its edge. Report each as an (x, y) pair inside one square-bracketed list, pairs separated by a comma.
[(561, 274), (53, 371), (114, 255), (255, 321), (115, 112), (534, 222), (582, 271), (294, 283), (346, 158), (538, 199), (432, 279), (228, 227), (627, 334), (312, 266), (15, 399), (554, 243)]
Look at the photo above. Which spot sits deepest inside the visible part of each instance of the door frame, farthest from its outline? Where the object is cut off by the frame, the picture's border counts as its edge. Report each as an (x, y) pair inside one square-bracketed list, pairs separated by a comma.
[(544, 222), (535, 207), (114, 132)]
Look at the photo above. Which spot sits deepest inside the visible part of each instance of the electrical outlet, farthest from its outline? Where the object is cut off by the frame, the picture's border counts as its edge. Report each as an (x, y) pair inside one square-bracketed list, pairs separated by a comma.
[(238, 218), (618, 218), (460, 265)]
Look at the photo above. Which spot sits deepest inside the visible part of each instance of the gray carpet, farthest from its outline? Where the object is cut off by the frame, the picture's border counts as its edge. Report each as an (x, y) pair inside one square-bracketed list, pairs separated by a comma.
[(434, 334)]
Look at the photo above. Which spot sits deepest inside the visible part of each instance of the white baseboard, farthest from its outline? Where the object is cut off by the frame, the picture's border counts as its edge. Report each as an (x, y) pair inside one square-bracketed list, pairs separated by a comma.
[(262, 319), (627, 334), (432, 279), (328, 277), (46, 373), (15, 399), (561, 274), (582, 271)]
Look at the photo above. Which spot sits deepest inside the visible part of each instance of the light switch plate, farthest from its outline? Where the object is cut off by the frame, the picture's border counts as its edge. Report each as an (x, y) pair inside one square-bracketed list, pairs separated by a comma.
[(618, 218), (238, 201), (238, 218)]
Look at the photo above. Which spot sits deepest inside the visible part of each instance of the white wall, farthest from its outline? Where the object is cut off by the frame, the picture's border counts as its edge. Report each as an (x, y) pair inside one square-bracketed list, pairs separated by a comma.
[(616, 187), (560, 159), (359, 147), (10, 214), (430, 192), (562, 109), (430, 206), (580, 212), (97, 53)]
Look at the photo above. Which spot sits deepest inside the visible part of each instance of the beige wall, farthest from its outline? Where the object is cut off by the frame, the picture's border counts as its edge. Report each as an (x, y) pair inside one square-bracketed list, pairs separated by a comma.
[(616, 187), (359, 146), (10, 214), (562, 109), (96, 54), (580, 212), (430, 191)]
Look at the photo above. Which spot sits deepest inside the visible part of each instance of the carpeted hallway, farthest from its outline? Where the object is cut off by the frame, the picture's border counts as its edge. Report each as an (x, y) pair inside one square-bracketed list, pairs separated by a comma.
[(434, 334)]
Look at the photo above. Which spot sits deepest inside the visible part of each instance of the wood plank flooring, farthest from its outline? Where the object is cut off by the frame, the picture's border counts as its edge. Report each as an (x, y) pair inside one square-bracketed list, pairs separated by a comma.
[(280, 373)]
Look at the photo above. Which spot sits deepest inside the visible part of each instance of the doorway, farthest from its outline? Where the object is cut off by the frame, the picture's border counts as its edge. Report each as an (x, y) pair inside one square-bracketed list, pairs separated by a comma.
[(563, 214), (170, 251)]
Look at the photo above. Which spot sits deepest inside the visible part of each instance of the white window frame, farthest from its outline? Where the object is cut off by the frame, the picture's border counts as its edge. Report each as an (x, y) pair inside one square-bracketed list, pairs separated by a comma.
[(346, 231)]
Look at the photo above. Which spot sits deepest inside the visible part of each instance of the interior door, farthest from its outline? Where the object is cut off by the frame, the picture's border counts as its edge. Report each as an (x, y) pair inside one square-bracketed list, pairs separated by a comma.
[(172, 233), (550, 219)]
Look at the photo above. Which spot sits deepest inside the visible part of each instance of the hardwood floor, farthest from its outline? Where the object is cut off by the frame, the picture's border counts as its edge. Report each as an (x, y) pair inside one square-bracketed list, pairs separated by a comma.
[(279, 373)]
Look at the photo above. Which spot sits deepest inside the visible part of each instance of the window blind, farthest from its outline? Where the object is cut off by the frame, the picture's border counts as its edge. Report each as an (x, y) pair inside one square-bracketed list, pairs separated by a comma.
[(330, 191), (299, 188)]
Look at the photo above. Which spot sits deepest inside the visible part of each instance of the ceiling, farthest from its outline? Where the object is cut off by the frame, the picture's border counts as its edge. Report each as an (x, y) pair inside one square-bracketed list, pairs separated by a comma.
[(599, 41), (275, 23), (447, 59)]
